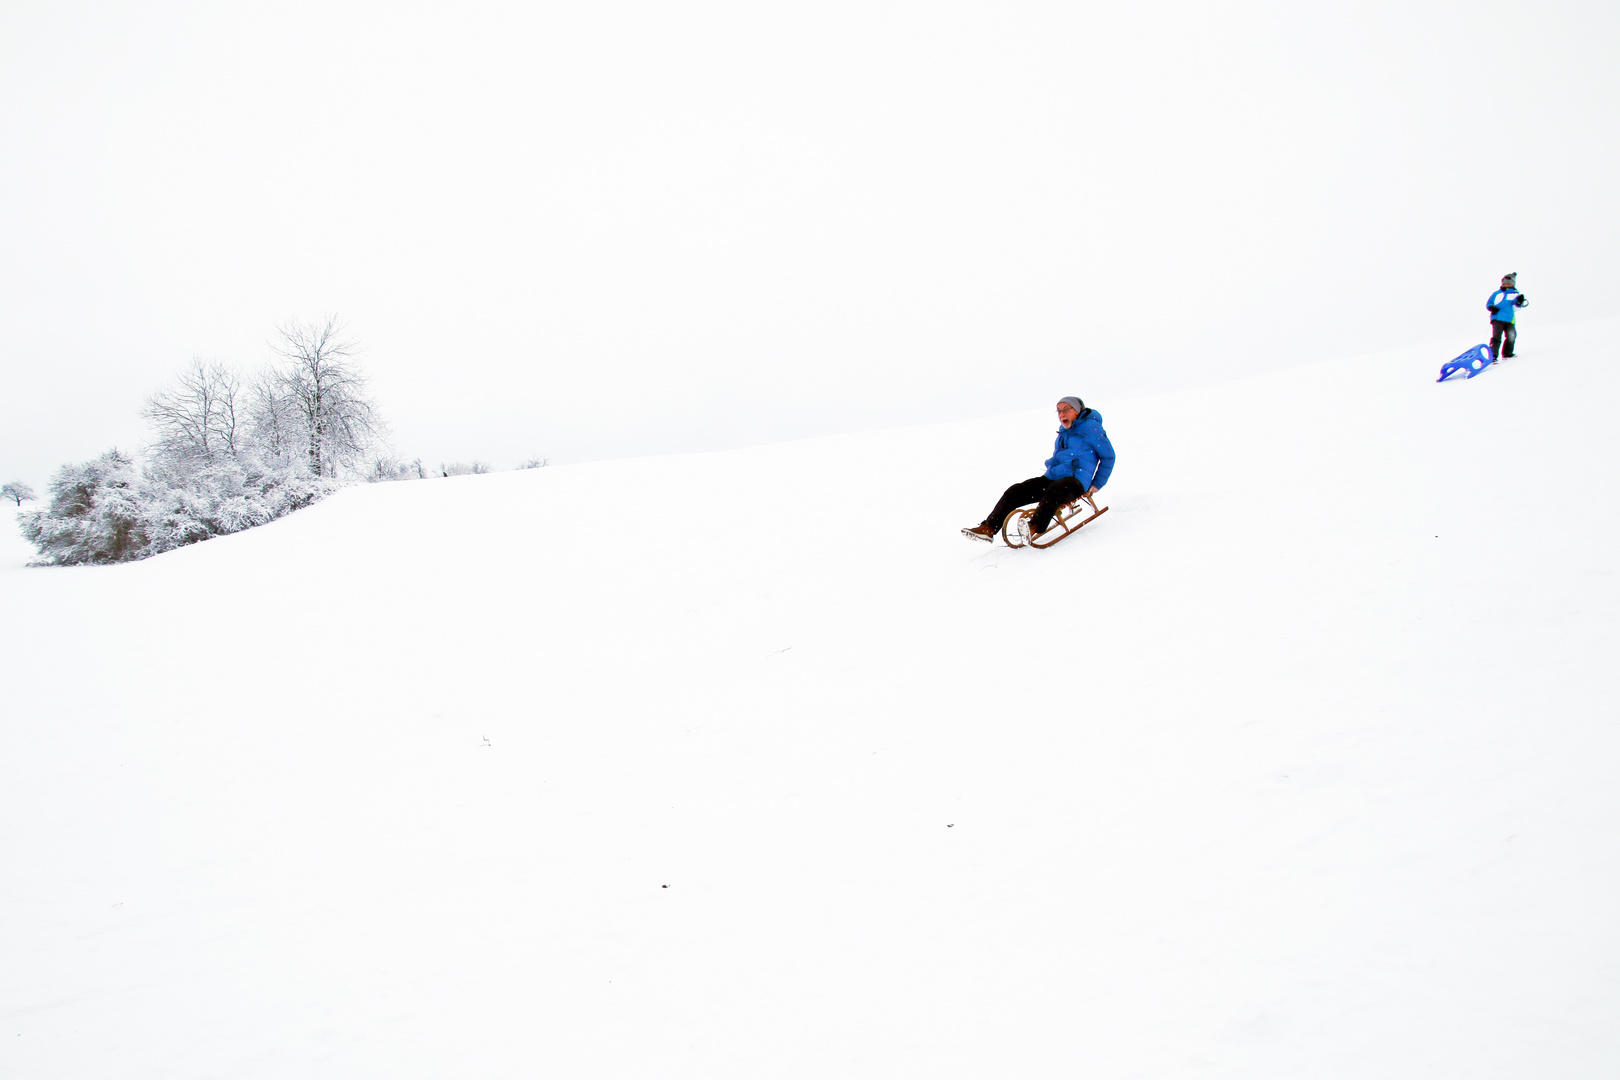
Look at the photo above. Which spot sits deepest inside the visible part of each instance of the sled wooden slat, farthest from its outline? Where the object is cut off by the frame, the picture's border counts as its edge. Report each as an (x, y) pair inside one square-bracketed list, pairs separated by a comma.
[(1015, 530)]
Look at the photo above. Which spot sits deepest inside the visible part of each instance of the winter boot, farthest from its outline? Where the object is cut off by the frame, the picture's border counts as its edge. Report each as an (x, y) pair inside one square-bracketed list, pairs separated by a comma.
[(981, 532)]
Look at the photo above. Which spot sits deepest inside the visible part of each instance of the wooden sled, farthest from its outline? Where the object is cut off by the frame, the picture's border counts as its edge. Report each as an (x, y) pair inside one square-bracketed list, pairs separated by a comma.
[(1068, 520)]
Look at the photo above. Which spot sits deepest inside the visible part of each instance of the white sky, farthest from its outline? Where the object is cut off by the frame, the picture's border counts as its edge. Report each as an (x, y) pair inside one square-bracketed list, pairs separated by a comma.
[(609, 229)]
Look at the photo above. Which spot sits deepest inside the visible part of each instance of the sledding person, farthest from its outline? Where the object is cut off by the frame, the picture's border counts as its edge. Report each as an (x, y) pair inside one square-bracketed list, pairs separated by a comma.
[(1502, 304), (1080, 463)]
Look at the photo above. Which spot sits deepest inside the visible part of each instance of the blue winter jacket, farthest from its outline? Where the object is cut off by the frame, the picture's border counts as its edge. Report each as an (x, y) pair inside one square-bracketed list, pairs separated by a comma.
[(1503, 302), (1082, 451)]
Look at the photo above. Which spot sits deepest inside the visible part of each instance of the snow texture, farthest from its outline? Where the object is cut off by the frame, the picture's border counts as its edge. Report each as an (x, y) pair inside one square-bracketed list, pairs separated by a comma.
[(1299, 763)]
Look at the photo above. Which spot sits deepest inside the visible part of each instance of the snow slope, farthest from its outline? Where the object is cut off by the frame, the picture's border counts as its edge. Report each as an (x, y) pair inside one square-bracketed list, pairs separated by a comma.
[(1300, 763)]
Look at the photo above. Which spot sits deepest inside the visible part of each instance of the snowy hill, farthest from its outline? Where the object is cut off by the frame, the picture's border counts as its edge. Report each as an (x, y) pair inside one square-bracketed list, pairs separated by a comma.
[(1300, 763)]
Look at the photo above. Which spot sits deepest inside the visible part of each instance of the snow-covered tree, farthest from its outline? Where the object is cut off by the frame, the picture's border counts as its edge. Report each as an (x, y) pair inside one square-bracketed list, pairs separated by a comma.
[(465, 468), (199, 418), (17, 491), (535, 463), (318, 403), (273, 421)]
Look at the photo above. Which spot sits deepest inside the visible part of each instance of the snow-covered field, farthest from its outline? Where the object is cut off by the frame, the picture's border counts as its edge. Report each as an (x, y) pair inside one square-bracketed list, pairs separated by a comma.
[(1299, 763)]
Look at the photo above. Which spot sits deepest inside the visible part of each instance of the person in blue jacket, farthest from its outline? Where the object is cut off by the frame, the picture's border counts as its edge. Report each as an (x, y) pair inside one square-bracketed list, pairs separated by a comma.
[(1080, 463), (1502, 304)]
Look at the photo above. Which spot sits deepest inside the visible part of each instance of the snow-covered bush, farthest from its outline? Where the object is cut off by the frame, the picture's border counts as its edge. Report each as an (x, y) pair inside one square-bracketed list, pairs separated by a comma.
[(105, 510), (465, 468), (535, 463), (94, 514), (183, 508)]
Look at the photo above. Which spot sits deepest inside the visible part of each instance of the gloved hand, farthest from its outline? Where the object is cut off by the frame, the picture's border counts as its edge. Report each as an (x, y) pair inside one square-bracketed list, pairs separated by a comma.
[(1491, 309)]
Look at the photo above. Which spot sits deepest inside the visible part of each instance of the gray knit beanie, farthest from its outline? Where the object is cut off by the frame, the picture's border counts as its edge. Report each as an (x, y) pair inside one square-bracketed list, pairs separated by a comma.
[(1079, 406)]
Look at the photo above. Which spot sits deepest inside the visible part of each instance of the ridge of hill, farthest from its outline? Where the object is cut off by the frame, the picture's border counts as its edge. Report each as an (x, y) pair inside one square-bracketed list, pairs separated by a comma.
[(1298, 763)]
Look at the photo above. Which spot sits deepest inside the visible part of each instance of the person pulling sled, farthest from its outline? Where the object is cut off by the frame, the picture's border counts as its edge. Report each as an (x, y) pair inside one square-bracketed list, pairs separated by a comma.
[(1502, 305), (1082, 458)]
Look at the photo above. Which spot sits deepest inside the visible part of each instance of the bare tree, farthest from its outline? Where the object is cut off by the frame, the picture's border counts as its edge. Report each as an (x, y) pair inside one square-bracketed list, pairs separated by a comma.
[(198, 418), (17, 491), (323, 393), (273, 419)]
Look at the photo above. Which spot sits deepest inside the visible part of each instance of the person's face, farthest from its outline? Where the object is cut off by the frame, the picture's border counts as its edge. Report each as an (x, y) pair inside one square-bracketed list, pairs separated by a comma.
[(1066, 413)]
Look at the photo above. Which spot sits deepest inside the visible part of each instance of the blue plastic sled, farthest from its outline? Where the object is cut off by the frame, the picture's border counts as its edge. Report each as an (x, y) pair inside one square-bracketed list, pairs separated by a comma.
[(1473, 361)]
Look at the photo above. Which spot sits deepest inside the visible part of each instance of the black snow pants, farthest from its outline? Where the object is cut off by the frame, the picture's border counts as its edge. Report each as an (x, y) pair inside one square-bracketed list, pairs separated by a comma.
[(1506, 334), (1048, 495)]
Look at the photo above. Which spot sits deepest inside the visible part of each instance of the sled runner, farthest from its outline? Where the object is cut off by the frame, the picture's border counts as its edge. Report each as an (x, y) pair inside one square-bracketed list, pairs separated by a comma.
[(1065, 523), (1473, 361)]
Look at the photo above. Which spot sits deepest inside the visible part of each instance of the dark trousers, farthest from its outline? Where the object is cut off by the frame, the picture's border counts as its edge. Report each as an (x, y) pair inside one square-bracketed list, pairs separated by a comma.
[(1505, 333), (1048, 495)]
